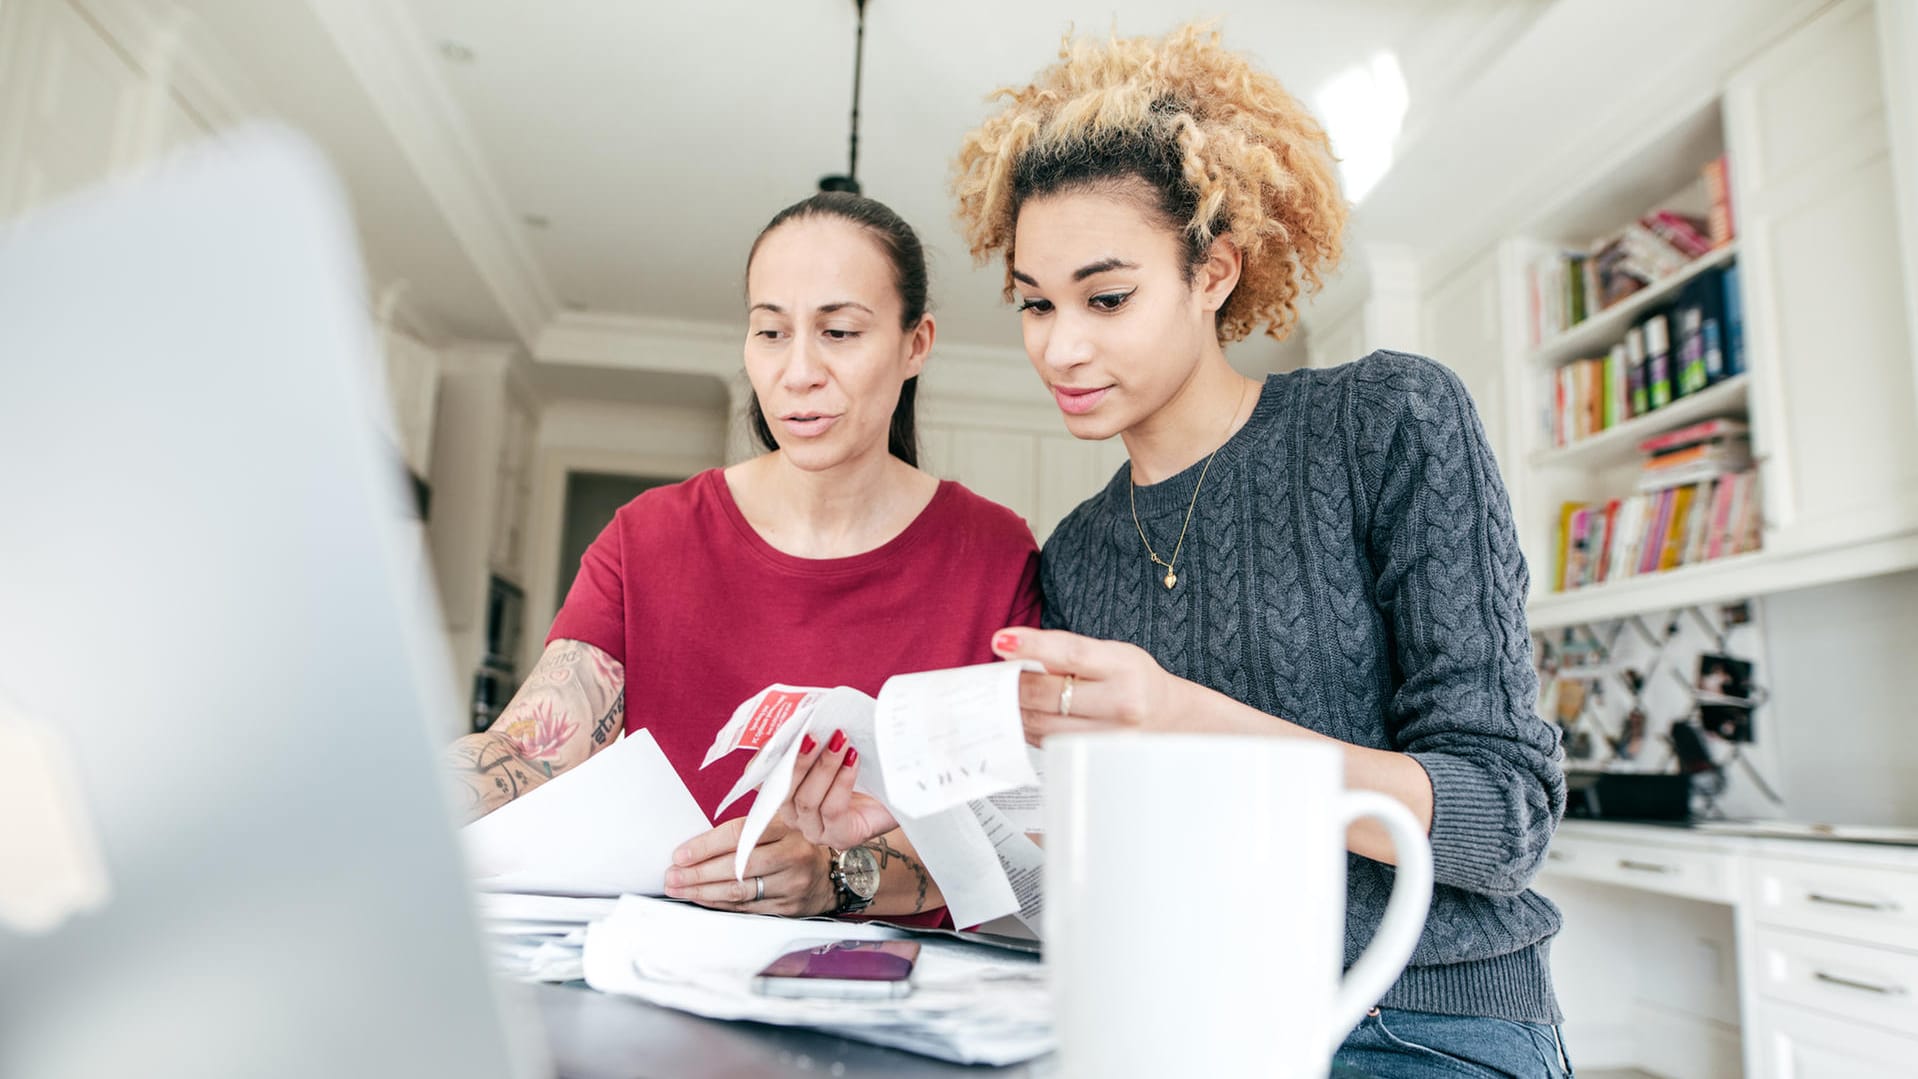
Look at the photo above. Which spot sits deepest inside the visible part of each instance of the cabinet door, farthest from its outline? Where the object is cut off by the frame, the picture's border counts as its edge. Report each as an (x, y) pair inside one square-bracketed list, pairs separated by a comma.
[(1795, 1043), (996, 464), (1826, 334), (74, 99)]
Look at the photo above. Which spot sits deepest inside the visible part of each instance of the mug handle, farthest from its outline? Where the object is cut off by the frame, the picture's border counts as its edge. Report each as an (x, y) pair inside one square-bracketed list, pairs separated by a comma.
[(1379, 965)]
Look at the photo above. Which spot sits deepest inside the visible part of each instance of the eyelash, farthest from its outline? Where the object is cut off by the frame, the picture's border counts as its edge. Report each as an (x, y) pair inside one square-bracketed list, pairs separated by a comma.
[(1116, 301), (834, 335)]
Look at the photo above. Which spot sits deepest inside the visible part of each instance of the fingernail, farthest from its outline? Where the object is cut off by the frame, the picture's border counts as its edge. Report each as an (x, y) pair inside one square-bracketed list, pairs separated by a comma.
[(1005, 642), (852, 757), (806, 744), (672, 877), (682, 856), (838, 740)]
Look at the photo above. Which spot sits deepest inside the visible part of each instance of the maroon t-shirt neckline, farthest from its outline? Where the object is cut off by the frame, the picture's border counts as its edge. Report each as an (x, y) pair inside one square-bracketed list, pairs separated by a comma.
[(879, 556)]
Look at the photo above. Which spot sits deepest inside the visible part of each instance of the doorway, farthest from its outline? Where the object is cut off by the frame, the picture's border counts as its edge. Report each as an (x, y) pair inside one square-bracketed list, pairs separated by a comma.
[(591, 500)]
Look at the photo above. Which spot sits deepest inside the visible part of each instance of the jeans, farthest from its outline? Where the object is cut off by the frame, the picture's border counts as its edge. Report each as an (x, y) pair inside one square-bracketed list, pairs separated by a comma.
[(1394, 1044)]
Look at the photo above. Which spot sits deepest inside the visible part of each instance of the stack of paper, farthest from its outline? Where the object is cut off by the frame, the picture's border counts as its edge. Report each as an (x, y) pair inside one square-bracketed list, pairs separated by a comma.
[(539, 938), (970, 1003), (607, 827)]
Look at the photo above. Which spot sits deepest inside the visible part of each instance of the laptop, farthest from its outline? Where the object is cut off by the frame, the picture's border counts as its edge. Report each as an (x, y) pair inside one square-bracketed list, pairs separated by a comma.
[(224, 846)]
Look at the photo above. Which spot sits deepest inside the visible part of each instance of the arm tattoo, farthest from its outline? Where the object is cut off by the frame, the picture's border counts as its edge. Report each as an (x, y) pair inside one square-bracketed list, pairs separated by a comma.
[(544, 730), (614, 719), (888, 852)]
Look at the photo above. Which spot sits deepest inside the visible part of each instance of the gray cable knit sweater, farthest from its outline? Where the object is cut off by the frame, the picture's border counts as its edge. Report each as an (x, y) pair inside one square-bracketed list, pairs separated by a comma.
[(1352, 567)]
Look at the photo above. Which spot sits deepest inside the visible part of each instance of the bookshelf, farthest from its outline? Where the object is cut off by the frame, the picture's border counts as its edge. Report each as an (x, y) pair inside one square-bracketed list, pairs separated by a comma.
[(1828, 386), (1618, 446), (1598, 332)]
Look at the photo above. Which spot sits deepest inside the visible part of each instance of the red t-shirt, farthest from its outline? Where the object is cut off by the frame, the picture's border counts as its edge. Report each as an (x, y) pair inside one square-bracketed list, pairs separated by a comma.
[(704, 613)]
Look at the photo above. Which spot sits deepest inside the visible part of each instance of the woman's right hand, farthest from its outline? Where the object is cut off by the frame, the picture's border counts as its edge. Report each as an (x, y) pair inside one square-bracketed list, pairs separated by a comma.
[(823, 805)]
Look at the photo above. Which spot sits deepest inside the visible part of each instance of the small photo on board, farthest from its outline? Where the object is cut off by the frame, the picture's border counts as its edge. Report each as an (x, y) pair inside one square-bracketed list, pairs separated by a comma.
[(1724, 697)]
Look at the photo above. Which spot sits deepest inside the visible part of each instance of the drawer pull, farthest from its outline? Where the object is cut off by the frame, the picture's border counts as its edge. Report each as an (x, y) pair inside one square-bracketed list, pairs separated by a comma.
[(1854, 904), (1645, 867), (1556, 855), (1851, 983)]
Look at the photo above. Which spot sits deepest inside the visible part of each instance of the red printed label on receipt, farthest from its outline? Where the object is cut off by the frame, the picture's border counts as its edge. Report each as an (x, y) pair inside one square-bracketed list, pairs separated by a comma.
[(774, 710)]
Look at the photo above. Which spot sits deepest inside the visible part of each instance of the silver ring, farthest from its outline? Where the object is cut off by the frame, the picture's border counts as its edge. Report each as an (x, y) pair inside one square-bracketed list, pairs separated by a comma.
[(1065, 697), (760, 888)]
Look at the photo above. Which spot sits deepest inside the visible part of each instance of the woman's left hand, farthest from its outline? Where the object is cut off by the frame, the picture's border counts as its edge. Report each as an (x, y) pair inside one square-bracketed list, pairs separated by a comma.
[(1088, 684), (794, 874)]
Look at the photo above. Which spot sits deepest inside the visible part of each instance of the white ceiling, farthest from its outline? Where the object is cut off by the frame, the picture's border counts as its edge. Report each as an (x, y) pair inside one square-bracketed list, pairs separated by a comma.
[(616, 157), (632, 150)]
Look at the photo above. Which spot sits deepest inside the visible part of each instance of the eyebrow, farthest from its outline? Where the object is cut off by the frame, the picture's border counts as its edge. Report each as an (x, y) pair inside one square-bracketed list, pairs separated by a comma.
[(824, 308), (1088, 270)]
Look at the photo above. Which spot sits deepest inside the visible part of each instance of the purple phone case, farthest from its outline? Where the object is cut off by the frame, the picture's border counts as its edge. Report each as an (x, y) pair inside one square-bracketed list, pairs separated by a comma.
[(849, 960)]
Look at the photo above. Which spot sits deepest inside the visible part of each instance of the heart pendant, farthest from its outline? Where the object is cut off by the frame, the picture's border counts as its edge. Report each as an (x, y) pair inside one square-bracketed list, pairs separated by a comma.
[(1171, 579)]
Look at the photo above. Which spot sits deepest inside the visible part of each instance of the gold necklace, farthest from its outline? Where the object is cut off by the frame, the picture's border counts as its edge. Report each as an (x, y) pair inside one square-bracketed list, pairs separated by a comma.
[(1172, 578)]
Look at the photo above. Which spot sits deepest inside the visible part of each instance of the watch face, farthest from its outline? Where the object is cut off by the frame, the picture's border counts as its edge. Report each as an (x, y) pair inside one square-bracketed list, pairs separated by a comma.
[(859, 867)]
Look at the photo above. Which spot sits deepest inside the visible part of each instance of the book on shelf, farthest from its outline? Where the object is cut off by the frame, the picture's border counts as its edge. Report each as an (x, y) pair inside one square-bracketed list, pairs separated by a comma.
[(1658, 361), (1689, 236), (1656, 531), (1718, 186), (1694, 463), (1693, 434)]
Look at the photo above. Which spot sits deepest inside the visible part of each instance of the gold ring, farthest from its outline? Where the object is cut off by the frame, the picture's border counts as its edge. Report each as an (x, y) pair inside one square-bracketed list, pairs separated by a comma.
[(1065, 697)]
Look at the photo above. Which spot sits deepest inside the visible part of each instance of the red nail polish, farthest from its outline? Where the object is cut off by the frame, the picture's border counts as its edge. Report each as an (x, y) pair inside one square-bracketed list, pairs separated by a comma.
[(805, 744), (1005, 642), (838, 740), (852, 757)]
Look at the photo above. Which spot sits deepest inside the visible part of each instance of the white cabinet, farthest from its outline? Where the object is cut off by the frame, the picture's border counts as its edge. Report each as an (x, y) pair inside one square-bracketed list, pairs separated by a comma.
[(1038, 471), (70, 106), (412, 383), (1802, 1045), (1814, 194), (515, 489)]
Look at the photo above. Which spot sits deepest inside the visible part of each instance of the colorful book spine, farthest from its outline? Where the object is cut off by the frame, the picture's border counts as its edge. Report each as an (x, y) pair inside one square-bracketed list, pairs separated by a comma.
[(1734, 322), (1718, 534), (1718, 185), (1691, 352), (1674, 537), (1635, 371), (1658, 362)]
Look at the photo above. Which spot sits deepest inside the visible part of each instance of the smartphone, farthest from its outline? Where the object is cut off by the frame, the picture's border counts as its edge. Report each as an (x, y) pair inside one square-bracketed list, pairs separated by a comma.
[(844, 969)]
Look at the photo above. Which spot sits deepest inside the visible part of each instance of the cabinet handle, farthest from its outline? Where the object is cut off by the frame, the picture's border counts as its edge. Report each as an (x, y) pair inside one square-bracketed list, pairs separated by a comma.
[(1851, 983), (1854, 904), (1645, 867)]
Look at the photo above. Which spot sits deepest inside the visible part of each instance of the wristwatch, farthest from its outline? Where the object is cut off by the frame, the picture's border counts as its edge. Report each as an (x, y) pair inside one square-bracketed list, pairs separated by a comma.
[(855, 878)]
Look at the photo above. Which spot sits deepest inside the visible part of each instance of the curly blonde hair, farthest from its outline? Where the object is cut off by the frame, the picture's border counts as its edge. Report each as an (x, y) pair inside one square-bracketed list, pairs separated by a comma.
[(1226, 149)]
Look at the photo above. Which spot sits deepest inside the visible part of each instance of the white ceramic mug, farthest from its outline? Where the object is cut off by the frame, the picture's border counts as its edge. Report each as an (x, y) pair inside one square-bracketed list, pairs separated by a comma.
[(1195, 904)]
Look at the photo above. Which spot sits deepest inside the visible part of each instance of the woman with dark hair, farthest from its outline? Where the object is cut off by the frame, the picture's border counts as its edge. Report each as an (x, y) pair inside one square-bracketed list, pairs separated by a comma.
[(830, 559)]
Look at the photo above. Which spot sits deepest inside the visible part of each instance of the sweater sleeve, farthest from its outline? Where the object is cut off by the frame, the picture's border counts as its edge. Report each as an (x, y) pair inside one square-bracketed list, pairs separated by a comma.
[(1452, 582)]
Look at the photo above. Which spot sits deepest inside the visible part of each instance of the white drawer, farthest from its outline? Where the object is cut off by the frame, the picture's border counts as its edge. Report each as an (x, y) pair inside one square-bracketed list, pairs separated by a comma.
[(1794, 1043), (1850, 981), (1694, 874), (1863, 903)]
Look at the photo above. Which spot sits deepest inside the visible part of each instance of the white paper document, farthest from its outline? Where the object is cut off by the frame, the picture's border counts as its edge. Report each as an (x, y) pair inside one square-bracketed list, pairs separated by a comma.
[(607, 827), (969, 1003), (947, 737), (944, 736)]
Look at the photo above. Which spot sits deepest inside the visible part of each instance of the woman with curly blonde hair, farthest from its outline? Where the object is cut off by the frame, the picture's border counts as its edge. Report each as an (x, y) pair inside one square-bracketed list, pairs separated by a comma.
[(1326, 555)]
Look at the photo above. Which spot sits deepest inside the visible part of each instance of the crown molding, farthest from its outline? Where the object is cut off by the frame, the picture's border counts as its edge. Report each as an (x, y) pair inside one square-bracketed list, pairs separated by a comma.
[(386, 52)]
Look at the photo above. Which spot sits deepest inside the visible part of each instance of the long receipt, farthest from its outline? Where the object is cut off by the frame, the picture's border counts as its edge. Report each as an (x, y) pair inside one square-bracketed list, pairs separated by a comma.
[(941, 739)]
